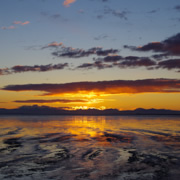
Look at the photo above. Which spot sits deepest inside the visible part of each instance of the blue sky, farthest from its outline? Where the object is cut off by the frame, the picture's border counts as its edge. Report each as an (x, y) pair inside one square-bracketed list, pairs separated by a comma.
[(78, 26), (28, 29)]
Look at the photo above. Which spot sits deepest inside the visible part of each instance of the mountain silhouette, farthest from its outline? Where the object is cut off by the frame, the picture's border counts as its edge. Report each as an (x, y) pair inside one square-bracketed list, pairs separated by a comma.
[(46, 110)]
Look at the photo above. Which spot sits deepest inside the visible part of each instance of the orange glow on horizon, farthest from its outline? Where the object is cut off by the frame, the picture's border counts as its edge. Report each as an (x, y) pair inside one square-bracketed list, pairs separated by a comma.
[(125, 101)]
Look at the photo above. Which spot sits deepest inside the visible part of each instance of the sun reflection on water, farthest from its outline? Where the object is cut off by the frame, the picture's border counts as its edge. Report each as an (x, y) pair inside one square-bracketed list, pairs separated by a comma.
[(89, 125), (87, 146)]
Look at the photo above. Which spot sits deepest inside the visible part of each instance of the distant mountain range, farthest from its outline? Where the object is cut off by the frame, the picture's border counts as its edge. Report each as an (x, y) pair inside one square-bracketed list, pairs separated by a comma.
[(46, 110)]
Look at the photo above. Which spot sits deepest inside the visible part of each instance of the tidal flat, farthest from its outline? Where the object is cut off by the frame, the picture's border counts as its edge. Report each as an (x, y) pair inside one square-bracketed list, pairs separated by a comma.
[(89, 147)]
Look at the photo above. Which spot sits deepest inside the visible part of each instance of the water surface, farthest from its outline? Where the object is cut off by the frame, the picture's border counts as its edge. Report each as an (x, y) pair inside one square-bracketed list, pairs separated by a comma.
[(89, 147)]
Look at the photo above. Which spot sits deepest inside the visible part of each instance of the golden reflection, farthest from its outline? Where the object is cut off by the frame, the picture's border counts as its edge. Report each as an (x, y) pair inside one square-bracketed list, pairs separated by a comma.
[(87, 143), (89, 126)]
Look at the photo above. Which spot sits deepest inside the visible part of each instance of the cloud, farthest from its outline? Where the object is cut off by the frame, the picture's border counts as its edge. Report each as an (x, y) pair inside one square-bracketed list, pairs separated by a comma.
[(125, 62), (101, 37), (146, 62), (70, 52), (81, 11), (170, 46), (177, 8), (4, 71), (103, 87), (35, 68), (21, 23), (120, 14), (106, 52), (68, 2), (137, 63), (51, 101), (1, 72), (97, 64), (153, 11), (15, 23), (169, 64), (53, 44), (160, 56), (101, 0), (113, 12), (114, 58), (9, 27), (38, 68), (100, 16), (56, 16)]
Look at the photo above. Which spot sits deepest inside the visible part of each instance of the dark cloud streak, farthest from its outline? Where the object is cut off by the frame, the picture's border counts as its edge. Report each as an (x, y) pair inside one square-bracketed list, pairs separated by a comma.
[(51, 101), (103, 87), (70, 52), (35, 68), (97, 64), (113, 12), (177, 8), (169, 64), (170, 46), (122, 62)]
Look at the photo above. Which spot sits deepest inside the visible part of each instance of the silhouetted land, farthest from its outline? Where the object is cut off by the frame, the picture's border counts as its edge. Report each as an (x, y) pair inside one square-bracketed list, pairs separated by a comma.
[(46, 110)]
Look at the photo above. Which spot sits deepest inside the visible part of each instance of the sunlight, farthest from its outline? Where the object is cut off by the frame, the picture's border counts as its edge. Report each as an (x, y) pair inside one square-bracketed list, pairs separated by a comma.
[(80, 107)]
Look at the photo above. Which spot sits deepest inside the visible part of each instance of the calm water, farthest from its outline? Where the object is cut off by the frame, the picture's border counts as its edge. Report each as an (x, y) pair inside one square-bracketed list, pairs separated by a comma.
[(89, 147)]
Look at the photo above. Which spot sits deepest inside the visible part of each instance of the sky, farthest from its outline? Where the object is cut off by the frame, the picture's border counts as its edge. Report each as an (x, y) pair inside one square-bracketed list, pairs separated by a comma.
[(81, 54)]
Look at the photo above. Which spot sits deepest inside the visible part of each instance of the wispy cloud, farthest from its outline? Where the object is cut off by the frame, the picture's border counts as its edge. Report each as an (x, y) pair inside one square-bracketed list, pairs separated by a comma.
[(100, 37), (68, 2), (81, 11), (113, 12), (55, 16), (15, 23), (137, 63), (131, 62), (53, 44), (103, 87), (97, 64), (153, 11), (120, 62), (21, 23), (70, 52), (177, 8), (9, 27)]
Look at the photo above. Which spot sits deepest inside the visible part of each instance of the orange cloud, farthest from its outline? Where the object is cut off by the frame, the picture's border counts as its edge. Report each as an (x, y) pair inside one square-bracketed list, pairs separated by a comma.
[(67, 2), (15, 23), (103, 87), (21, 23), (55, 44), (24, 23)]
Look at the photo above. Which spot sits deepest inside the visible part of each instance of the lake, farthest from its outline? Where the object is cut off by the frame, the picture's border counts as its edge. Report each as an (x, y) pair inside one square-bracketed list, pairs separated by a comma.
[(90, 147)]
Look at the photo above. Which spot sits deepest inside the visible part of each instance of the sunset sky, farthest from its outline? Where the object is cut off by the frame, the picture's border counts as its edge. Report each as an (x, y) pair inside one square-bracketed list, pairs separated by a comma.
[(100, 54)]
